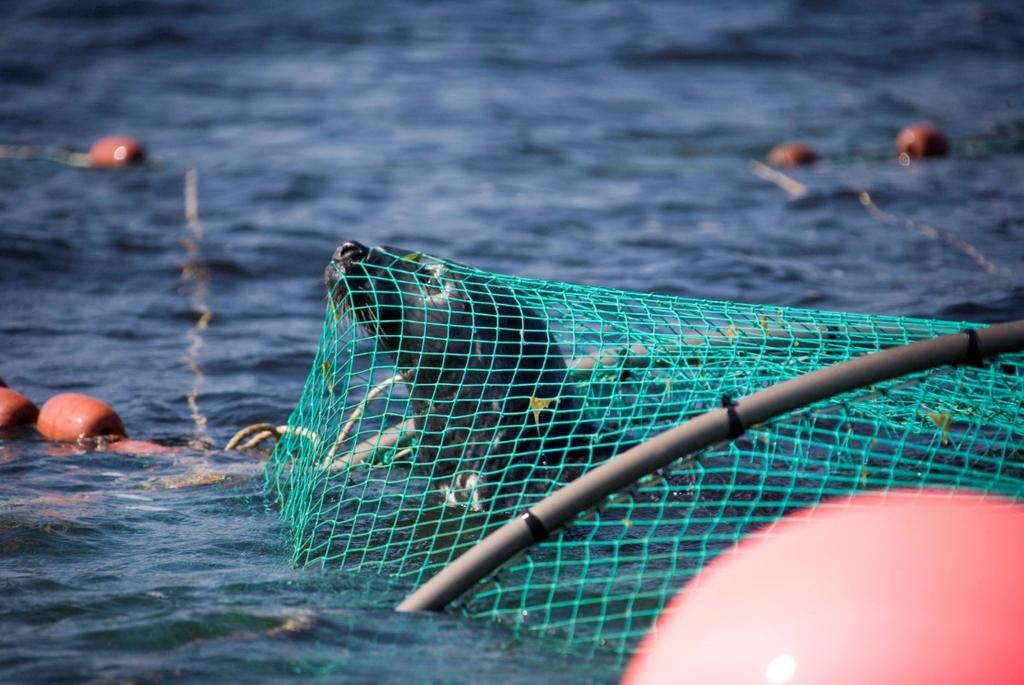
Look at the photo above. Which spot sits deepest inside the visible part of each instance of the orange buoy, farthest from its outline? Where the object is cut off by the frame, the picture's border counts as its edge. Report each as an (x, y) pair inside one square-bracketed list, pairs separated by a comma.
[(792, 154), (920, 140), (115, 151), (16, 409), (70, 416)]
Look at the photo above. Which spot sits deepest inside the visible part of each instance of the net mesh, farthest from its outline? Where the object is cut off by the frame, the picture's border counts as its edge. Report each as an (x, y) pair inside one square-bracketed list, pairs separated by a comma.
[(444, 400)]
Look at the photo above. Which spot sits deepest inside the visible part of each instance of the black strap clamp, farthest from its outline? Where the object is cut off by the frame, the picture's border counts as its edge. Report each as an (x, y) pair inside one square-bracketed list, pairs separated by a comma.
[(538, 530), (973, 356), (736, 427)]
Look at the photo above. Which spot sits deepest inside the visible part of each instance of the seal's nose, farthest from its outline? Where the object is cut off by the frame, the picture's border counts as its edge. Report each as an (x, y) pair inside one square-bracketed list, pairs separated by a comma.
[(345, 255), (349, 252)]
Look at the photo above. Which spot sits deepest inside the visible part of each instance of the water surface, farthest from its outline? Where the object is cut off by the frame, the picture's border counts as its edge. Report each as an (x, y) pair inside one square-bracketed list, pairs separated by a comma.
[(597, 142)]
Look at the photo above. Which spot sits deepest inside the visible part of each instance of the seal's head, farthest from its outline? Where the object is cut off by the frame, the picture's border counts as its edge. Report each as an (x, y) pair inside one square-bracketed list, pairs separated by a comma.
[(411, 303), (487, 381)]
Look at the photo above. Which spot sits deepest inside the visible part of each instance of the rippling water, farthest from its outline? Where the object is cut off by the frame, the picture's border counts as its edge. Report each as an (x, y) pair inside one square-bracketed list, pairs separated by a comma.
[(597, 142)]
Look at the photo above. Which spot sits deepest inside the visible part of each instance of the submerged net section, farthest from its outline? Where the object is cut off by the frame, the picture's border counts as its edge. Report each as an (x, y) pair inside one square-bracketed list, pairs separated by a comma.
[(444, 400)]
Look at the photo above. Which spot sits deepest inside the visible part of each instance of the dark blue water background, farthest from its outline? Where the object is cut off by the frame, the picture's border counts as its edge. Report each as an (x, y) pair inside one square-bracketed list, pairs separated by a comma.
[(596, 142)]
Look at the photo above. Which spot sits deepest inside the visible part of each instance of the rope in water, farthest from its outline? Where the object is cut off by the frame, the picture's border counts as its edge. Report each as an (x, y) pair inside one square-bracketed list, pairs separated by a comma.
[(260, 432), (197, 274), (796, 190), (52, 154), (930, 232), (396, 436)]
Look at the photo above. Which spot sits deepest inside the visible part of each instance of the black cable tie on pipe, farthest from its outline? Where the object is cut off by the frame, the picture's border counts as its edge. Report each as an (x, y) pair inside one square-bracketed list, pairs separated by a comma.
[(736, 427), (973, 356), (538, 530)]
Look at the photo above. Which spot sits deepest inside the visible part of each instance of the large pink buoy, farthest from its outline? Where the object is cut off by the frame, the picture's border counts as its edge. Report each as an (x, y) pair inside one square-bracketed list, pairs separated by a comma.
[(15, 409), (906, 587), (70, 416), (115, 151)]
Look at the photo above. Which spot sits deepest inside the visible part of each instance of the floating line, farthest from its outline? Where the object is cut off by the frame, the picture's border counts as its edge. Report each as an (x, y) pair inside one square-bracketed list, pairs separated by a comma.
[(197, 274), (52, 154), (796, 190)]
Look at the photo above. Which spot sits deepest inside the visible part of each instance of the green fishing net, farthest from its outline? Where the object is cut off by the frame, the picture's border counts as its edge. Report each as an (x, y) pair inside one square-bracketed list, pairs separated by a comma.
[(444, 400)]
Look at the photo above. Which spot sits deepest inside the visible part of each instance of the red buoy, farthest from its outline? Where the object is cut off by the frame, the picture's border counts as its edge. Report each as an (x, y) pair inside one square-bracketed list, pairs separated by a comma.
[(115, 151), (792, 154), (905, 587), (71, 416), (16, 409), (920, 140)]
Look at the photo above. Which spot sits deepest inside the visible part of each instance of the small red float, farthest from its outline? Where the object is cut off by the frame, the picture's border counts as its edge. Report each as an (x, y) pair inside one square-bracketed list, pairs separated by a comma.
[(920, 140), (71, 416), (792, 154), (115, 151), (908, 587), (16, 409), (138, 447)]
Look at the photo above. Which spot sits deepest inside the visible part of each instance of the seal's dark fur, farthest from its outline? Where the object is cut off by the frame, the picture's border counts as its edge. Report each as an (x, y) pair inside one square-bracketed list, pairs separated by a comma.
[(488, 384)]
